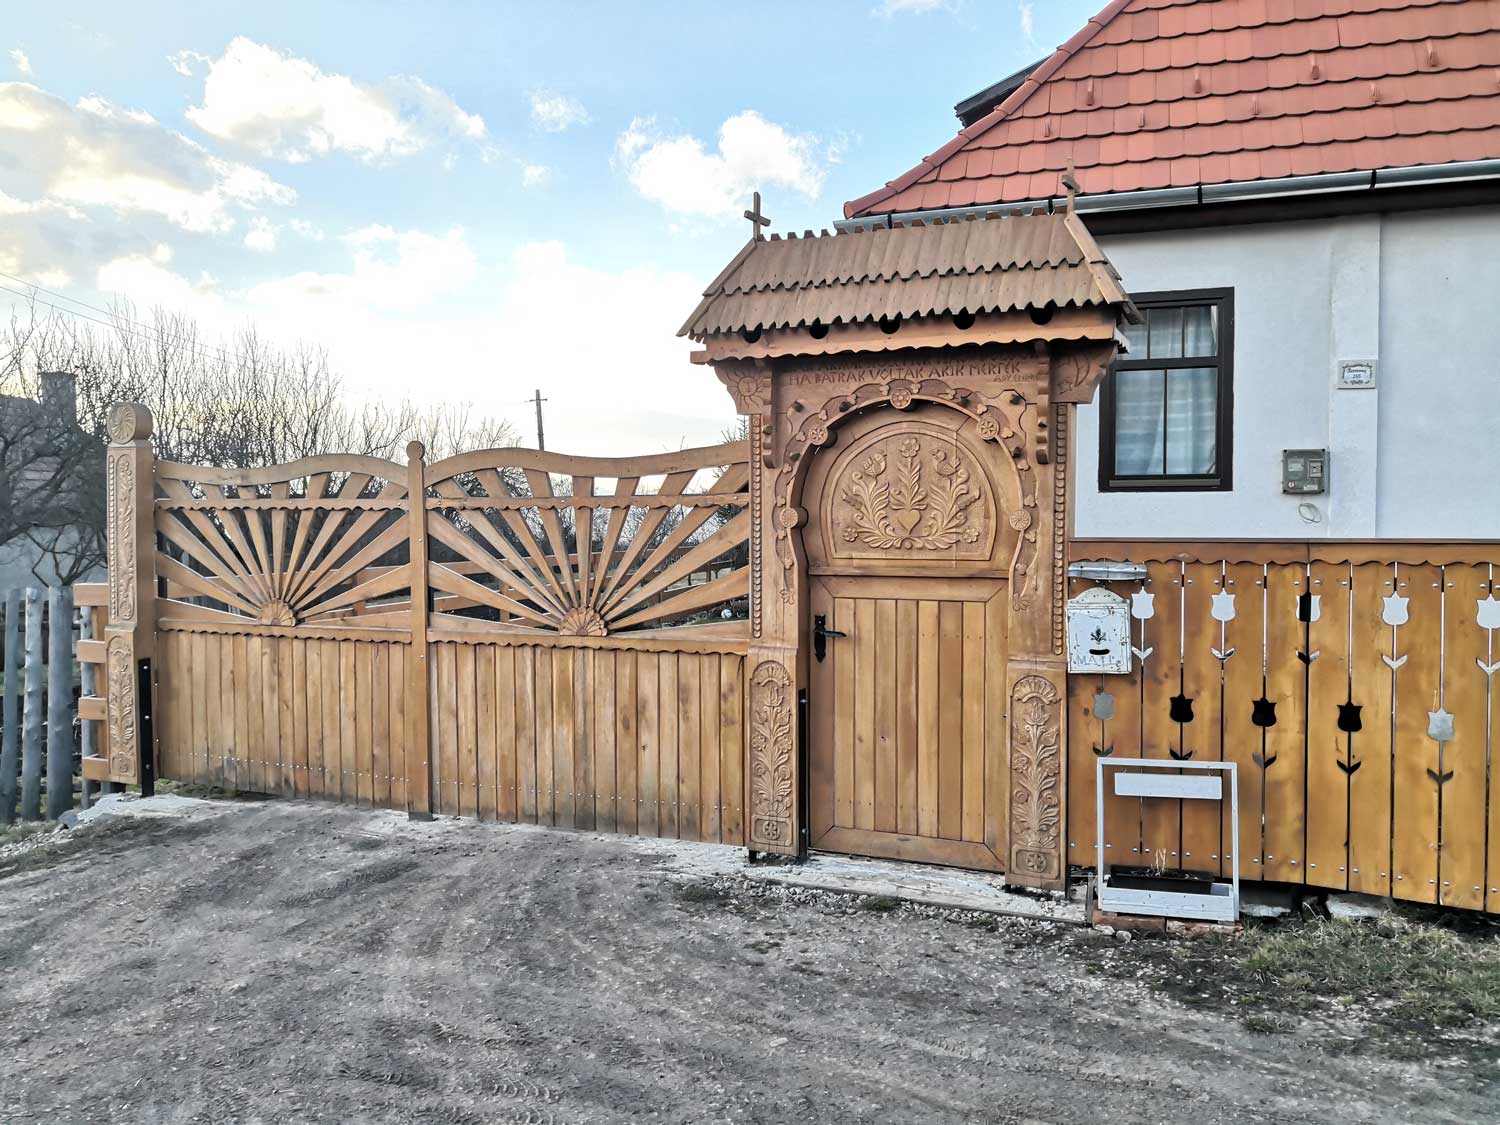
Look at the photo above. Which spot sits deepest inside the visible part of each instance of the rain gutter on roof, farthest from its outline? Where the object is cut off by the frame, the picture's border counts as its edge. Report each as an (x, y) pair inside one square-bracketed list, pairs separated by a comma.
[(1246, 191)]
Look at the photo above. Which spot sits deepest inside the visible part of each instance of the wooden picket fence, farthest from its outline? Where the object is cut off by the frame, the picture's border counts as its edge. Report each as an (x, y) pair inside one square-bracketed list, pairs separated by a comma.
[(39, 756), (1353, 684)]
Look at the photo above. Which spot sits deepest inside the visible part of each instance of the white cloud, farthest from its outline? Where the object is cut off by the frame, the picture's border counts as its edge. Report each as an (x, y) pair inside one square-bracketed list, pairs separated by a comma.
[(1028, 21), (261, 236), (305, 229), (684, 177), (389, 270), (95, 154), (914, 7), (281, 106), (535, 175), (186, 62), (556, 112), (147, 280), (23, 64)]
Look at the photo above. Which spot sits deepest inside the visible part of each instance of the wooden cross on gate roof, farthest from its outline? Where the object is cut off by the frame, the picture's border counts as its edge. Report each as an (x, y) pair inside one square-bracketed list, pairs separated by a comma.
[(757, 220)]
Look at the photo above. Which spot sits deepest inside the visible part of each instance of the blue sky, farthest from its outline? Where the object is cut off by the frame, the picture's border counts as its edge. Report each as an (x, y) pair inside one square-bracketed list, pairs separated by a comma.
[(462, 201)]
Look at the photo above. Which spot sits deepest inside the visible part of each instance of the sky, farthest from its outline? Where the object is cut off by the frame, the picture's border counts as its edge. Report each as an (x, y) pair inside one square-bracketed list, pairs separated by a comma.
[(465, 201)]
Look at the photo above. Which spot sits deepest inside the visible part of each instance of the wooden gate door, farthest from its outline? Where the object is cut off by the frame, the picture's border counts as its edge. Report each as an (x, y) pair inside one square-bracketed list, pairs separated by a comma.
[(908, 549)]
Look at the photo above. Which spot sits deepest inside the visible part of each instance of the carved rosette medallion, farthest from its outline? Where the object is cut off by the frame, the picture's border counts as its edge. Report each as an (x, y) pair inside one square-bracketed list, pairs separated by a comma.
[(121, 545), (582, 621), (771, 753), (128, 422), (120, 684), (1036, 767), (923, 501)]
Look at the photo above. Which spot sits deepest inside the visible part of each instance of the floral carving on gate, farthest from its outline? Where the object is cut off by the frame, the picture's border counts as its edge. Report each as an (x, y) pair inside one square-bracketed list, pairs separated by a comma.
[(1036, 765), (910, 509), (770, 754), (120, 685)]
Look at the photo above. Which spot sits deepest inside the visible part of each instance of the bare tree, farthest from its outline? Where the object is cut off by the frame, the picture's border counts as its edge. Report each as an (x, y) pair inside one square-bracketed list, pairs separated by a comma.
[(239, 402)]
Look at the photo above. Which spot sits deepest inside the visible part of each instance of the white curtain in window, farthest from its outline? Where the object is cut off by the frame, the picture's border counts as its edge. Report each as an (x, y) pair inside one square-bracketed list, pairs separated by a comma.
[(1192, 421), (1140, 431)]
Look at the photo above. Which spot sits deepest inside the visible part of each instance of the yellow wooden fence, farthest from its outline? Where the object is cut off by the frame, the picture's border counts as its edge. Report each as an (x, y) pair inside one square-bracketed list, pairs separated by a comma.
[(1331, 674)]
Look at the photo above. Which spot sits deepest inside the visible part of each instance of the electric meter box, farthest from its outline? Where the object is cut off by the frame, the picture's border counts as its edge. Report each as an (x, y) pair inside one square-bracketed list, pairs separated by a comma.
[(1304, 472)]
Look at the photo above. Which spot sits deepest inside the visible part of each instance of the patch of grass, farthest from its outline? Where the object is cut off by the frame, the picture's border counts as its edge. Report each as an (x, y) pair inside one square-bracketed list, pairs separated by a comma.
[(700, 893), (879, 904), (1423, 975), (23, 830), (1268, 1023)]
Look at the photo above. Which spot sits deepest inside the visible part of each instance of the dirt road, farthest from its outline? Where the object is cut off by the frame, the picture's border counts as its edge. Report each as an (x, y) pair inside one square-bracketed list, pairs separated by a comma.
[(274, 962)]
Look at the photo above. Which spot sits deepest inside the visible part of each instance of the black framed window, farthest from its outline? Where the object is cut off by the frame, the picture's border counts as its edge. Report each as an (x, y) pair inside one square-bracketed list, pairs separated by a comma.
[(1167, 407)]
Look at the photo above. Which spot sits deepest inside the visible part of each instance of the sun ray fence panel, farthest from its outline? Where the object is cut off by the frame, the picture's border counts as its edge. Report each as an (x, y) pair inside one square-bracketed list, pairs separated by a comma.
[(1355, 685), (505, 634)]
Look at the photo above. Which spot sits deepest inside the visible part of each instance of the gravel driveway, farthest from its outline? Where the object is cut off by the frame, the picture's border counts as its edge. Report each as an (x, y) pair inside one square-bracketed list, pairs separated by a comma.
[(280, 962)]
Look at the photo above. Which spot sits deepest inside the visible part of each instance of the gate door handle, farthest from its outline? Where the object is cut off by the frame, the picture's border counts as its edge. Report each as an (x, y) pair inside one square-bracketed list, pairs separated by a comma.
[(821, 633)]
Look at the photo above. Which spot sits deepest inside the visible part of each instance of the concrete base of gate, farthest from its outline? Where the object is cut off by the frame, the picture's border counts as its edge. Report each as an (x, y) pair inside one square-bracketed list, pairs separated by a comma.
[(945, 887)]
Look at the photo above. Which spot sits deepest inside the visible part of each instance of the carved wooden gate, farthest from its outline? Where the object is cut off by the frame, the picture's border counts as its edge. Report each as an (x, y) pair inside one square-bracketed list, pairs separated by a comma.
[(908, 543)]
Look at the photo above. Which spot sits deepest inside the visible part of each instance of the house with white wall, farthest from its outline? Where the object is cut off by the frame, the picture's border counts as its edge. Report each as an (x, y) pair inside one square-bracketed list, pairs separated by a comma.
[(1303, 196)]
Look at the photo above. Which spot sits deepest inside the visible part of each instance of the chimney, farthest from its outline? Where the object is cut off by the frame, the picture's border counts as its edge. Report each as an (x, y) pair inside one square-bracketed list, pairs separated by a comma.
[(59, 395)]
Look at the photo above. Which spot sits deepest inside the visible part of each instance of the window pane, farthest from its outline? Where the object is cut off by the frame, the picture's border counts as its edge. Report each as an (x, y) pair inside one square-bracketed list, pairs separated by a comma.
[(1201, 330), (1166, 333), (1135, 335), (1139, 433), (1192, 421)]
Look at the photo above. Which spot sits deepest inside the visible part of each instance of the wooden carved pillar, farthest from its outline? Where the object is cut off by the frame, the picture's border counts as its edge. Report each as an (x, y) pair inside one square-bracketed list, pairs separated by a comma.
[(130, 635), (1037, 673), (773, 669)]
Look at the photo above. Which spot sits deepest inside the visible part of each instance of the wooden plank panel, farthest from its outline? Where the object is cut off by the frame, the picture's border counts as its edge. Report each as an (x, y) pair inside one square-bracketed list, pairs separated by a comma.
[(332, 702), (564, 738), (313, 715), (364, 716), (219, 720), (380, 726), (667, 807), (929, 708), (648, 728), (583, 737), (1202, 682), (294, 724), (732, 748), (711, 816), (627, 745), (506, 767), (194, 761), (905, 666), (349, 703), (1161, 838), (950, 722), (488, 772), (445, 709), (1243, 741), (973, 721), (606, 796), (689, 746), (243, 694), (996, 734), (526, 696), (1328, 748), (864, 713), (255, 716), (548, 800), (1370, 781), (397, 735), (1285, 777), (887, 799), (286, 689), (229, 732), (467, 730), (1491, 657), (845, 657), (170, 695), (1461, 859), (1085, 732), (1415, 807)]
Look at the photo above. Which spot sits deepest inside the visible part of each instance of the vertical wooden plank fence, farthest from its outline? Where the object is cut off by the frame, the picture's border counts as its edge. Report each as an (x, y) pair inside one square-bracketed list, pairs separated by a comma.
[(1354, 684)]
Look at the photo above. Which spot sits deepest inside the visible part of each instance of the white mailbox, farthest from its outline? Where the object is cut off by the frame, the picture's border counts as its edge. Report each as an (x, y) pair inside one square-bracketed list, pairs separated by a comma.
[(1099, 632)]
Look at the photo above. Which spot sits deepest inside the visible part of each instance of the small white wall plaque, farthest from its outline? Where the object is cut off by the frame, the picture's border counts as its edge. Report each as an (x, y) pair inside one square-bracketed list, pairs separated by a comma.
[(1356, 374), (1099, 632)]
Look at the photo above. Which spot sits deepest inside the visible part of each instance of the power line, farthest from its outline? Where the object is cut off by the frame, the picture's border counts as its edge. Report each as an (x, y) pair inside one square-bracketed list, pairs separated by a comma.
[(146, 333)]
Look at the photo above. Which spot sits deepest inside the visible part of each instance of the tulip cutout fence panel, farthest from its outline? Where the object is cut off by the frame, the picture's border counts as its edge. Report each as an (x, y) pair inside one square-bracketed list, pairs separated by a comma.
[(504, 634), (1355, 686)]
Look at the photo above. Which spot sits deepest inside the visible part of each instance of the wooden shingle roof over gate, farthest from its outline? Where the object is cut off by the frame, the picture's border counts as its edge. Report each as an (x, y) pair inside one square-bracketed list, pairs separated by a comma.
[(1154, 94), (995, 265)]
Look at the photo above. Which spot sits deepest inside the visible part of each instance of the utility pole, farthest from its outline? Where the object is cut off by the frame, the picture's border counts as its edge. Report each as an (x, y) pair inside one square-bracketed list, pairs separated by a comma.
[(541, 441)]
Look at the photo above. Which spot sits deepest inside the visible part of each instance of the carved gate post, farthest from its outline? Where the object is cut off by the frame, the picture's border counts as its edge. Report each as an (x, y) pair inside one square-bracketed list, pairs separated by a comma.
[(130, 636), (773, 668)]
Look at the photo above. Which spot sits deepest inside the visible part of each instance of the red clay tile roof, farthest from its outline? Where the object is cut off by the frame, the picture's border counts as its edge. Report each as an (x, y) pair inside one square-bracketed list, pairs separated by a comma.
[(1177, 93)]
